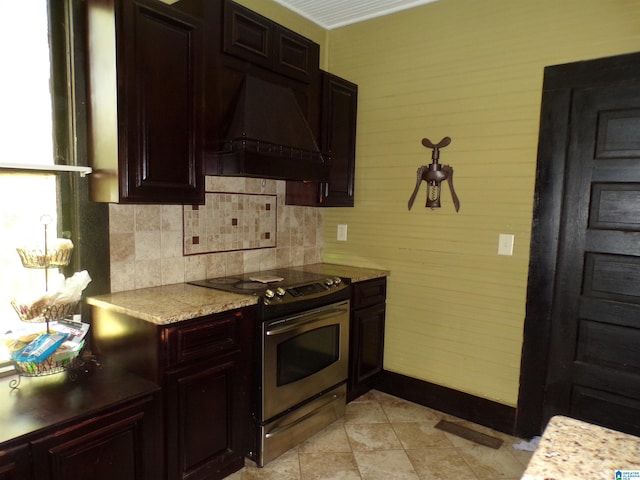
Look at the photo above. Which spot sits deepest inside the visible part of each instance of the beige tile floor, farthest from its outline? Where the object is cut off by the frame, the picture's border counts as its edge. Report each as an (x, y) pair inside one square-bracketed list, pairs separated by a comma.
[(382, 437)]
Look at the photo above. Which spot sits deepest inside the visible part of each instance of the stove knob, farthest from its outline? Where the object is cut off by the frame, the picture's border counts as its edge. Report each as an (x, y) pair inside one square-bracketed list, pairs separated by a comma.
[(280, 291), (269, 293), (337, 280), (328, 282)]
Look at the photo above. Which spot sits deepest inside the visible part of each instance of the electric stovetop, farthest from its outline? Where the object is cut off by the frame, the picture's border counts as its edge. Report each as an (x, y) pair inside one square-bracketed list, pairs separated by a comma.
[(256, 283)]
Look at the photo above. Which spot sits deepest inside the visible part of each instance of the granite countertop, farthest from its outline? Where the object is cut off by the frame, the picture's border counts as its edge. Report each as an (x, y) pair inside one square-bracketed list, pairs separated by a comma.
[(356, 274), (174, 303), (571, 449), (171, 303)]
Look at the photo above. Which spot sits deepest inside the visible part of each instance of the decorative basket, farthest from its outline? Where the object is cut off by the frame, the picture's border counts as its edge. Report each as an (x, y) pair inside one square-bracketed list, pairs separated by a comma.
[(44, 313), (56, 363), (53, 257), (29, 313), (59, 311)]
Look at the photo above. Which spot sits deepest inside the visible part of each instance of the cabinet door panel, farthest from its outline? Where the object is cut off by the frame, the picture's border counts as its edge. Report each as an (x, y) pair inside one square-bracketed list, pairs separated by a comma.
[(162, 86), (206, 435), (103, 448), (369, 342), (296, 56), (338, 118), (247, 35), (339, 113)]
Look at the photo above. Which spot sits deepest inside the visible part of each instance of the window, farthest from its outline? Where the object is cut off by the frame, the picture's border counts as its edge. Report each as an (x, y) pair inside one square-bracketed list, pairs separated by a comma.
[(43, 118), (26, 137)]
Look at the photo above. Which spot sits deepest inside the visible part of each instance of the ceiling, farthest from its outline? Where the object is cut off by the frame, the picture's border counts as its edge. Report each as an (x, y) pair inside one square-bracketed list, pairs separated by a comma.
[(331, 14)]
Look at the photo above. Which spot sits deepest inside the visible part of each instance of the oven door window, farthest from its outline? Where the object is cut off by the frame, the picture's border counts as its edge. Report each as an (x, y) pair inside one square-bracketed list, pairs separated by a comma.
[(307, 353)]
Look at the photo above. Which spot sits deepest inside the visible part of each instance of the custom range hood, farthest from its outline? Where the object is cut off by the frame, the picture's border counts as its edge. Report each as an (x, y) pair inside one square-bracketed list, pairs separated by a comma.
[(268, 137)]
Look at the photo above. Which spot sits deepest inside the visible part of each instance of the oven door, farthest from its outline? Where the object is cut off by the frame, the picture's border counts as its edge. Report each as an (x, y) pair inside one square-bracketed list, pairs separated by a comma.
[(303, 355)]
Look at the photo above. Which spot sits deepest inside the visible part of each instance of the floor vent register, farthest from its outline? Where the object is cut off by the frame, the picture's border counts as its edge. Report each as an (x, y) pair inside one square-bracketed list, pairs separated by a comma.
[(469, 434)]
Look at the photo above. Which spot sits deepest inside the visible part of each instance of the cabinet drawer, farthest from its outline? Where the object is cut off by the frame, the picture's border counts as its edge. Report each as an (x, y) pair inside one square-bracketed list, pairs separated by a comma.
[(369, 292), (205, 337)]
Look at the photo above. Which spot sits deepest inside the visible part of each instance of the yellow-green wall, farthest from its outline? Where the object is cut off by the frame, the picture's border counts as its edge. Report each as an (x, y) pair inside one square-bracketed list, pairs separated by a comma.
[(471, 70)]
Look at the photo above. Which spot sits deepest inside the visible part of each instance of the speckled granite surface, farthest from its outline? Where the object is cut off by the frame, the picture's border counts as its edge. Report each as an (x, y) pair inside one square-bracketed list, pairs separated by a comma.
[(571, 449), (356, 274), (171, 303), (174, 303)]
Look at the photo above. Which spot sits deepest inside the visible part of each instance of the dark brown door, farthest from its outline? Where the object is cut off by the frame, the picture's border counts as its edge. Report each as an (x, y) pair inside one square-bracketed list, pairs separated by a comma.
[(594, 351), (582, 333)]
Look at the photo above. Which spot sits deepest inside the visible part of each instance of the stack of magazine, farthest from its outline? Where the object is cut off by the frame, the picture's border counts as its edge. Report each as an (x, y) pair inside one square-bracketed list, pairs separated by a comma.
[(63, 342)]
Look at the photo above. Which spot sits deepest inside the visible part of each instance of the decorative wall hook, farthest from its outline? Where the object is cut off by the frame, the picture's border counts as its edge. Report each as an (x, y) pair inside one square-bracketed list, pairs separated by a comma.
[(434, 174)]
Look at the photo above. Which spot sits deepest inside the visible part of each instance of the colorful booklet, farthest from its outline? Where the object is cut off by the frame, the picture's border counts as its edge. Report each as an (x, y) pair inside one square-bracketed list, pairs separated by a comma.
[(41, 348)]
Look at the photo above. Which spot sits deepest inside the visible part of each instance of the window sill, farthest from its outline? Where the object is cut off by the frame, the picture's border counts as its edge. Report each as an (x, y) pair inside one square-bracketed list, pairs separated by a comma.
[(18, 167)]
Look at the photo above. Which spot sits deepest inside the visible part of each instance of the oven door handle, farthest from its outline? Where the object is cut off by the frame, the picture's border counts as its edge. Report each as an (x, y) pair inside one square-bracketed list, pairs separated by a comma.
[(298, 322), (284, 428)]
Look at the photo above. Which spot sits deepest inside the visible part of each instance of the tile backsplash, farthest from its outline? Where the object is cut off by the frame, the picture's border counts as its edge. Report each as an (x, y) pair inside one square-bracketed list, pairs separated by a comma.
[(148, 244)]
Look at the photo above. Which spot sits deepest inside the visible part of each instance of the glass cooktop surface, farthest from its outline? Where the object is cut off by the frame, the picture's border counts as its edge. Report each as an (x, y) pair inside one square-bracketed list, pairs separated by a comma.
[(258, 282)]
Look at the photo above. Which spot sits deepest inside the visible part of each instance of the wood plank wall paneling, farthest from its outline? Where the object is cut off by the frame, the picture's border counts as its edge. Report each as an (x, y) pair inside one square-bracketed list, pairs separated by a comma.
[(472, 71)]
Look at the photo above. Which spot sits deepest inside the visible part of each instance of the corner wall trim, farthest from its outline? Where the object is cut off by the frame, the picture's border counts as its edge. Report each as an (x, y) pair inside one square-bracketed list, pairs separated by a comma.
[(462, 405)]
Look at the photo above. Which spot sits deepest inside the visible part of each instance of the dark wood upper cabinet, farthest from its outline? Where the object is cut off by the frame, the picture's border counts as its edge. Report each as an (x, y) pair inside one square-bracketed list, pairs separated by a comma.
[(295, 56), (248, 35), (252, 37), (339, 106), (253, 45), (145, 65), (338, 137)]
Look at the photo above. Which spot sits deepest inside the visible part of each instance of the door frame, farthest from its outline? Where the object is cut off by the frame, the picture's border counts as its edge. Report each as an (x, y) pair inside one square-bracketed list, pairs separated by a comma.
[(553, 143)]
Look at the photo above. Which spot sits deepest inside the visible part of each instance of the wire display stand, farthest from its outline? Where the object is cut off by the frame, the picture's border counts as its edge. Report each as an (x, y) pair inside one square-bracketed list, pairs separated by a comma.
[(44, 311)]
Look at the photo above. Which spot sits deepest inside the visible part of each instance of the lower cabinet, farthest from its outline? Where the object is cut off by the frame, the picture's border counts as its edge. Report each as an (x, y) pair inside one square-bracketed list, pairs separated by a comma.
[(99, 424), (366, 335), (206, 423), (204, 368), (207, 389), (15, 463), (104, 447)]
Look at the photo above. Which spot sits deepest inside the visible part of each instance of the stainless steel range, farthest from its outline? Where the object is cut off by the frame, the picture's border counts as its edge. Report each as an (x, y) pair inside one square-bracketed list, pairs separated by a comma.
[(303, 364)]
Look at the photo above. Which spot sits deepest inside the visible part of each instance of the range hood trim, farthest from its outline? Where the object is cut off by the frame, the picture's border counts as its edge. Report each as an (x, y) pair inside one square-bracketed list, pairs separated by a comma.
[(246, 162)]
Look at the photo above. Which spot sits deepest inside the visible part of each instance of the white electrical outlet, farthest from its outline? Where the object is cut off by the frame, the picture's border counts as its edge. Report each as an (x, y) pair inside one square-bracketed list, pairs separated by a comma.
[(342, 233), (505, 244)]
